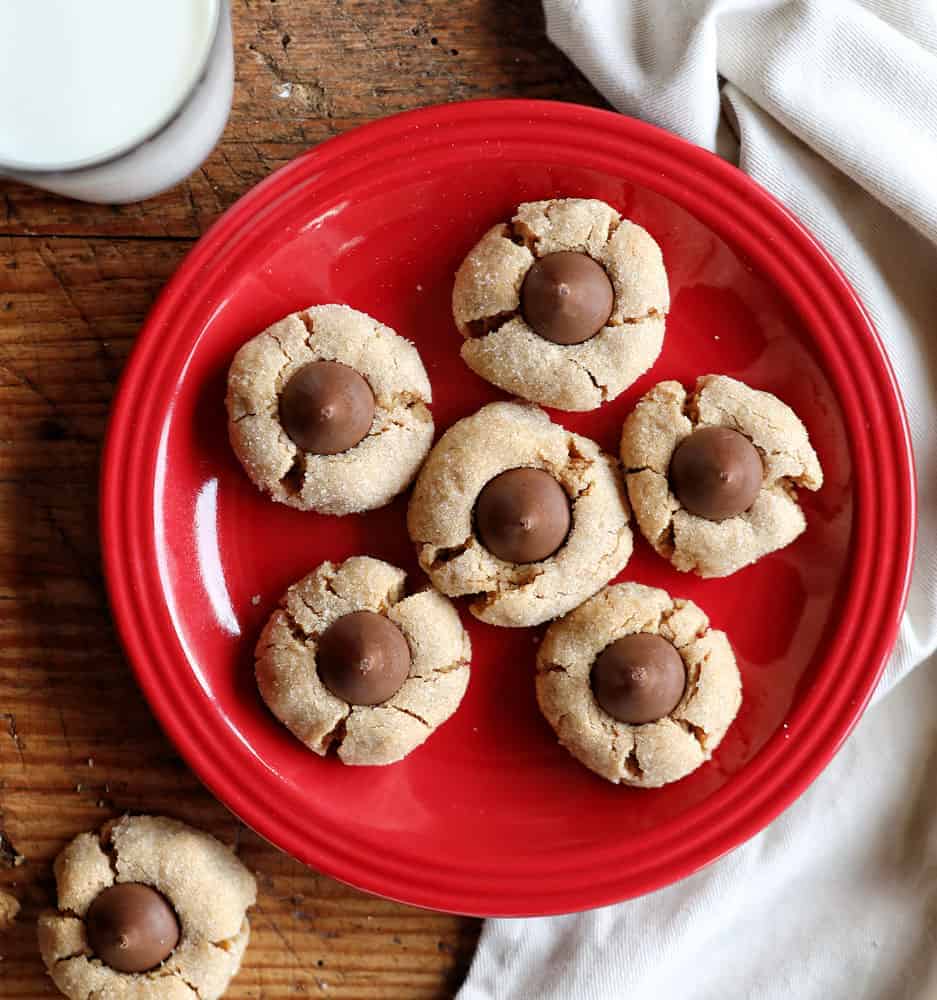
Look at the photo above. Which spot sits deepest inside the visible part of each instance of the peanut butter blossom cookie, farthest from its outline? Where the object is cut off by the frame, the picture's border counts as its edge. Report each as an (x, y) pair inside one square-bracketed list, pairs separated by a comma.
[(525, 516), (327, 411), (712, 474), (637, 686), (565, 305), (347, 662), (147, 908)]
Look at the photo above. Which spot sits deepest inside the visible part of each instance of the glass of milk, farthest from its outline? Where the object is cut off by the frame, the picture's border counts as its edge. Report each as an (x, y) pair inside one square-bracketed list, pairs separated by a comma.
[(112, 100)]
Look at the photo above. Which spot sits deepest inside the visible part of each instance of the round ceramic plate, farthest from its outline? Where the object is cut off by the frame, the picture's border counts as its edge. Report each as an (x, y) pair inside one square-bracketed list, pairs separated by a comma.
[(491, 816)]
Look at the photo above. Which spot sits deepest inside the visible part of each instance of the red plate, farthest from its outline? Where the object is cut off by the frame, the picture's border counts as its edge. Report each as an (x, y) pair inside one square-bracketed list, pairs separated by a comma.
[(491, 816)]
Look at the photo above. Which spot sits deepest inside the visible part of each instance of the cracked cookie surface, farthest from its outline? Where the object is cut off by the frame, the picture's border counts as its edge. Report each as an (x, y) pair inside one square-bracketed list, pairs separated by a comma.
[(206, 885), (366, 476), (440, 519), (500, 345), (362, 734), (654, 753), (667, 415)]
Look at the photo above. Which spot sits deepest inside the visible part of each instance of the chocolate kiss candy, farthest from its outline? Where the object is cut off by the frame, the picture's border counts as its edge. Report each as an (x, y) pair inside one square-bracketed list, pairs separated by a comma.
[(363, 658), (326, 408), (131, 927), (639, 678), (716, 473), (522, 516), (567, 297)]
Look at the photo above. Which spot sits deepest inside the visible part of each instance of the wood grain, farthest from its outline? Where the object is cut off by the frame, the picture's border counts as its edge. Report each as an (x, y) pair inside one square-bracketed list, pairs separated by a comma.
[(77, 743)]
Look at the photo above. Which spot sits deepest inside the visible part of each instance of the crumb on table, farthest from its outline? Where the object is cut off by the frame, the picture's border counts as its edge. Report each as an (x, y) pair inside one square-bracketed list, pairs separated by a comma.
[(9, 908)]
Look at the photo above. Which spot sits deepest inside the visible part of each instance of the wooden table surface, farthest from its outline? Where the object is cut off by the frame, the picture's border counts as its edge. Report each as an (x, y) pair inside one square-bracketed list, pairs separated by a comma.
[(77, 743)]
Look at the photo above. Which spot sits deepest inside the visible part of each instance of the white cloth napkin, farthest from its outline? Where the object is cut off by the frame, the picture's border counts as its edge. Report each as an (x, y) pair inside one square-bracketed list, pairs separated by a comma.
[(832, 106)]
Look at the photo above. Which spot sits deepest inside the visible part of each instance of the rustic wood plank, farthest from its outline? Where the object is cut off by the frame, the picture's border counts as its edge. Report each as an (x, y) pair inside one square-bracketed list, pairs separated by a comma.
[(77, 743)]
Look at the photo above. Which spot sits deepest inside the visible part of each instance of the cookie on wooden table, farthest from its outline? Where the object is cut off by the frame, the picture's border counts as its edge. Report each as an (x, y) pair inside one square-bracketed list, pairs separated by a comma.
[(347, 662), (521, 514), (637, 686), (565, 305), (327, 411), (148, 909), (712, 474)]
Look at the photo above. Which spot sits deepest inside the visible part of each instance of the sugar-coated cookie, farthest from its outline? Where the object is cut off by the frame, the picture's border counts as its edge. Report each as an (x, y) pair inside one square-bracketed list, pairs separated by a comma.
[(327, 411), (711, 474), (565, 305), (671, 729), (347, 662), (148, 909), (457, 503)]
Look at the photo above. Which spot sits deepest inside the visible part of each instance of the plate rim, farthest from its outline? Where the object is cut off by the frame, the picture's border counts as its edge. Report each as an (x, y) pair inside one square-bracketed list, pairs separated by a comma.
[(117, 527)]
